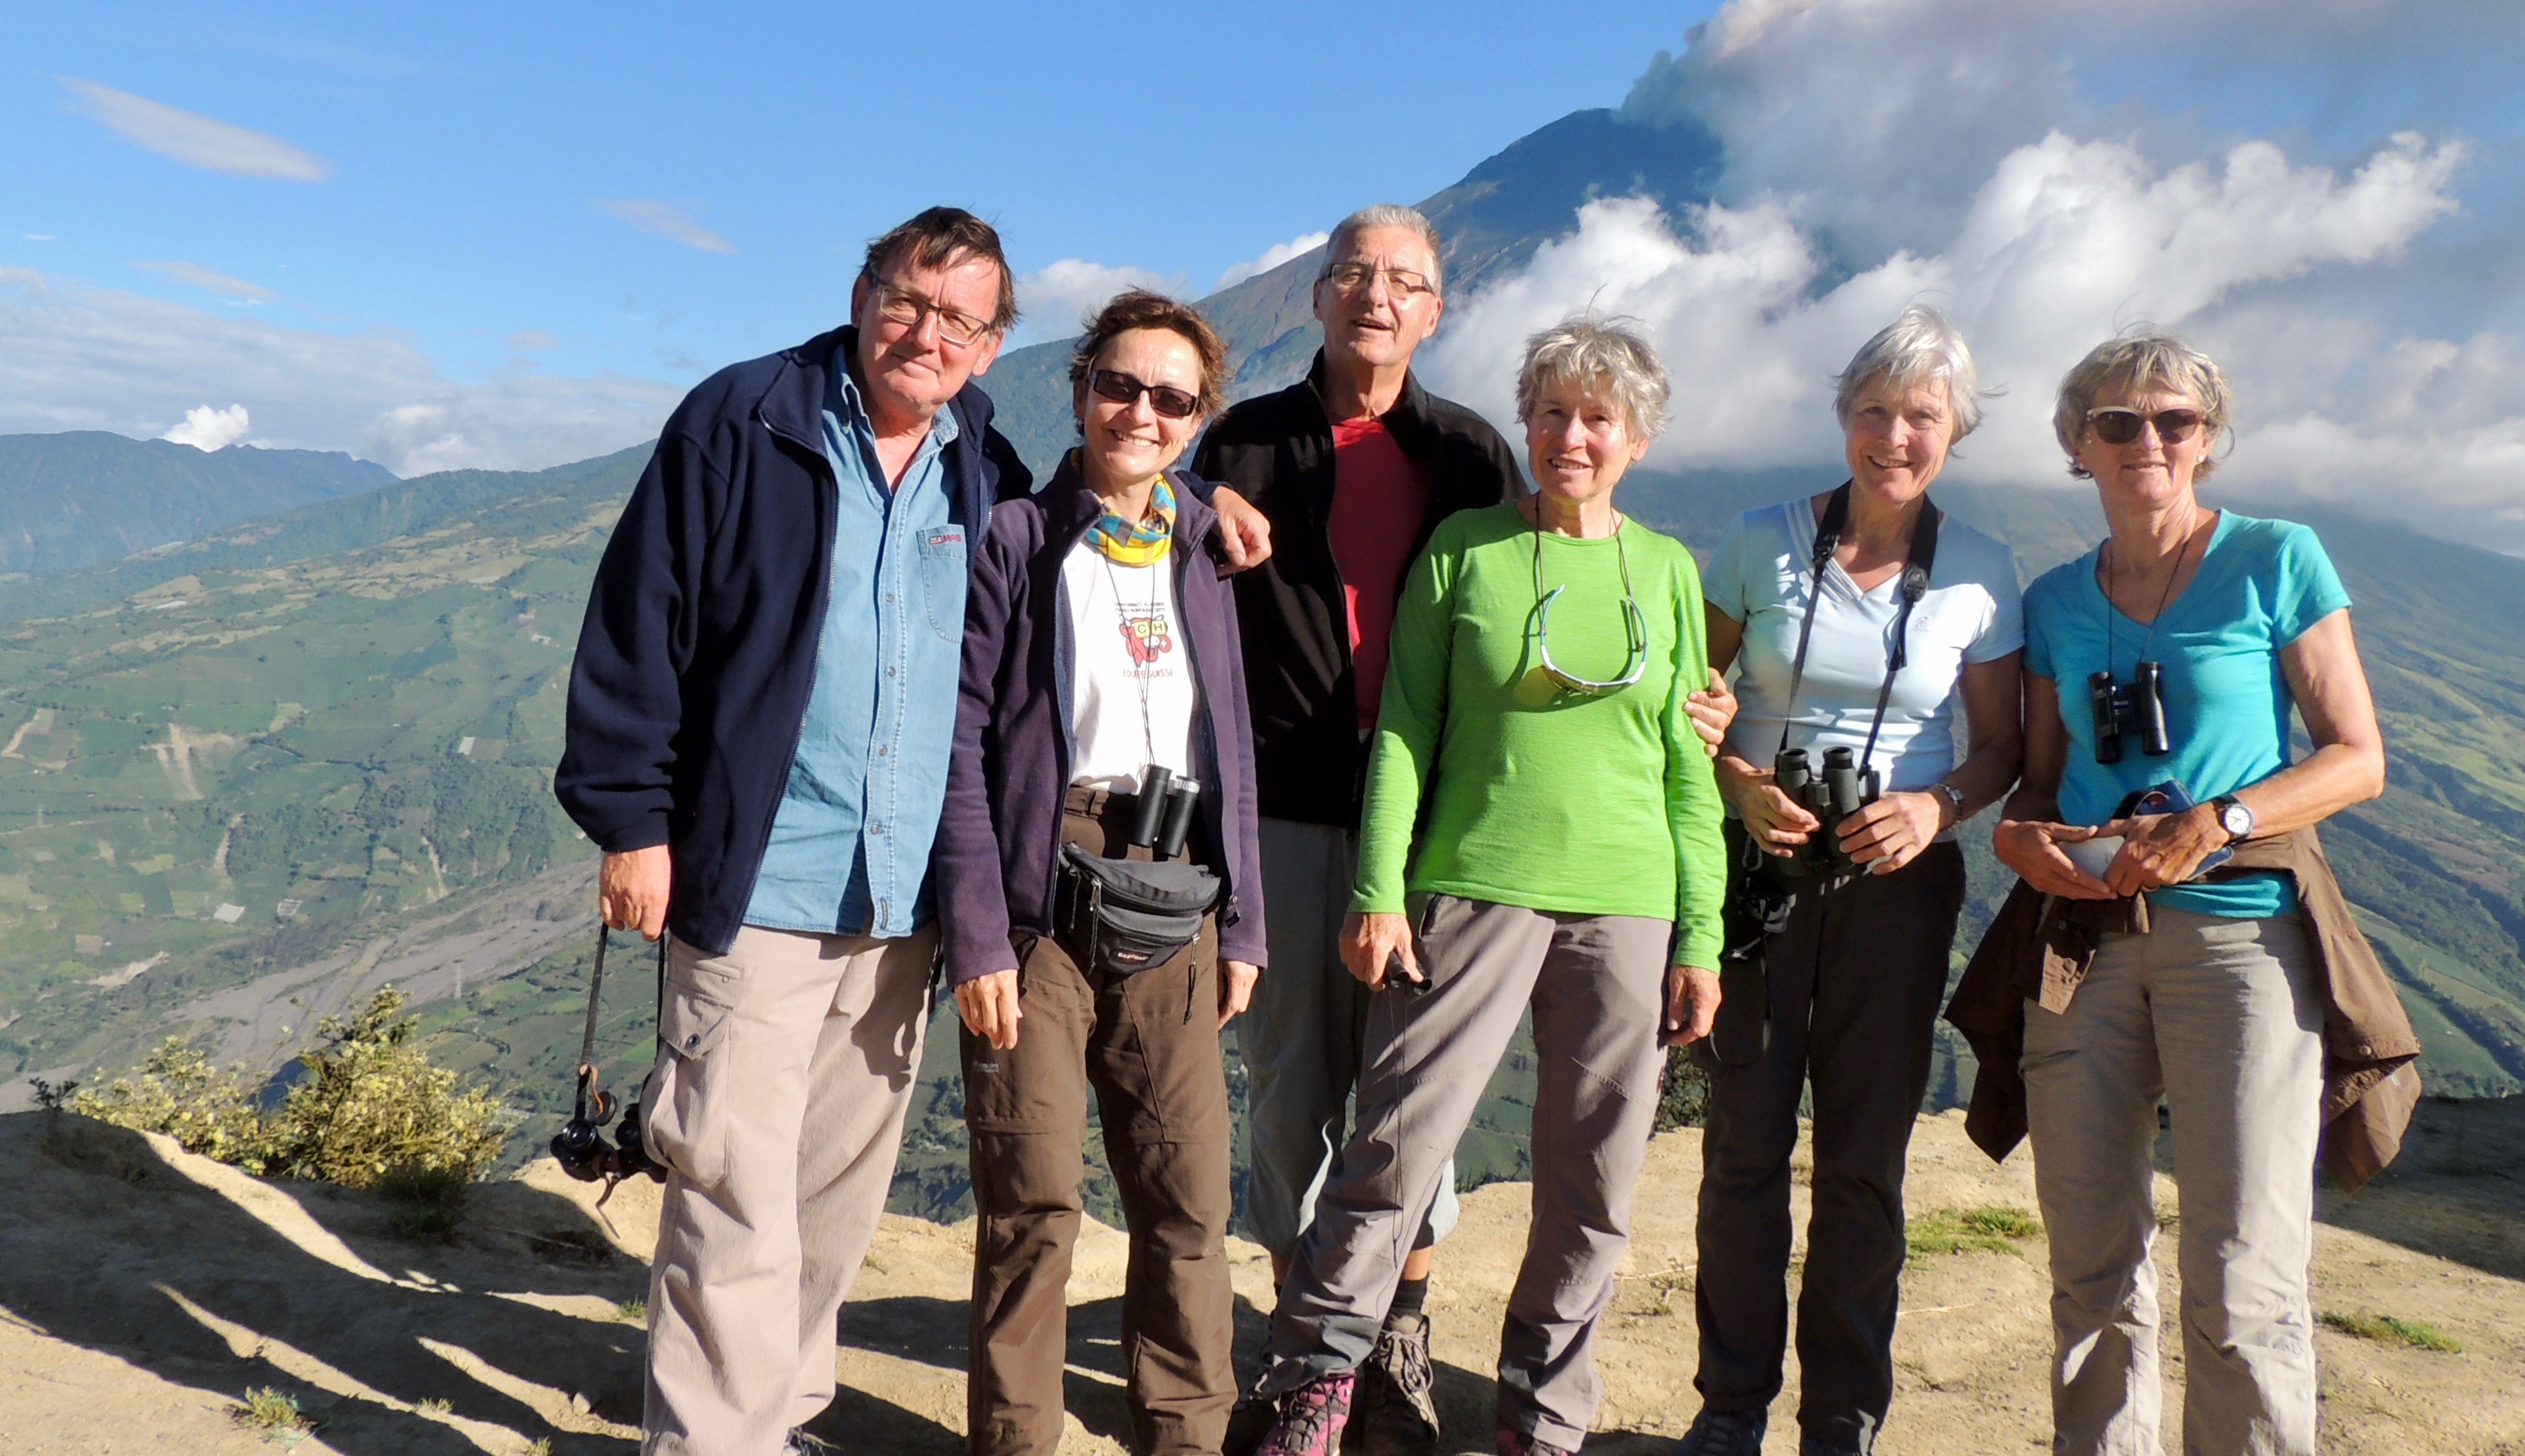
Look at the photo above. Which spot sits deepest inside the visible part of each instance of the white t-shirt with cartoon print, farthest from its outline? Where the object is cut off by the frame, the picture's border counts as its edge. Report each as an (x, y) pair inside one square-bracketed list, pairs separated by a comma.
[(1132, 701)]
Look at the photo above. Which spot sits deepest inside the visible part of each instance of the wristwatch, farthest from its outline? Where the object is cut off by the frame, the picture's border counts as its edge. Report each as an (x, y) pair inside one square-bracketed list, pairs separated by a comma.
[(1952, 794), (2233, 816)]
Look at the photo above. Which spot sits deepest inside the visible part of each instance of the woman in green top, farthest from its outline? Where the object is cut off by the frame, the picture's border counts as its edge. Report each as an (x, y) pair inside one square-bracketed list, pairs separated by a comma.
[(1570, 862)]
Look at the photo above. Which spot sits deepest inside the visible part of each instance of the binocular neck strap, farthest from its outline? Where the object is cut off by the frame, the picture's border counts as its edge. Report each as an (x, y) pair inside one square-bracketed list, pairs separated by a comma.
[(1922, 557), (1915, 585), (588, 1091), (1827, 540)]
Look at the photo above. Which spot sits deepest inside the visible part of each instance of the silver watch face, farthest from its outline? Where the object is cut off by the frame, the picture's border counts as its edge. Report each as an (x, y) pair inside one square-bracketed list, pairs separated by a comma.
[(2236, 819)]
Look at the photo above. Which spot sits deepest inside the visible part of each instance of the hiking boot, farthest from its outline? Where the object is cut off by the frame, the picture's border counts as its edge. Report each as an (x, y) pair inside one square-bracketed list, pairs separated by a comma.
[(800, 1443), (1724, 1433), (1517, 1443), (1310, 1419), (1394, 1415)]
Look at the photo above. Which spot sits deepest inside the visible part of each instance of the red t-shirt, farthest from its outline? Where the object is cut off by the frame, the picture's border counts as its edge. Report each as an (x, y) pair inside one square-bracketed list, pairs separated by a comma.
[(1378, 500)]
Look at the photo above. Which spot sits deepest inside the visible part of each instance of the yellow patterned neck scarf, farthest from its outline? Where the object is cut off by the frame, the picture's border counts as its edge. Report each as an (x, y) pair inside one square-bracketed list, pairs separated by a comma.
[(1140, 543)]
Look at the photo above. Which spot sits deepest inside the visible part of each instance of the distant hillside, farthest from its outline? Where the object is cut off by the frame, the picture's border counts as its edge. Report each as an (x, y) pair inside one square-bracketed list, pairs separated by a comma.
[(1492, 220), (84, 496), (389, 508)]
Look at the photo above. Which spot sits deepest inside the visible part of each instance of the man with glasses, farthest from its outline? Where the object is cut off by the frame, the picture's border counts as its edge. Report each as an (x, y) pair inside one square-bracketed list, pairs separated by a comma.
[(1353, 467), (760, 716)]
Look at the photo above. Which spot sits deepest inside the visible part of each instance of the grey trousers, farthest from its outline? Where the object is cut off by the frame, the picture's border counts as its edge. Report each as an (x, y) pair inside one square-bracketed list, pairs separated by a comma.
[(776, 1103), (1850, 994), (2224, 1019), (1303, 1035), (1597, 987)]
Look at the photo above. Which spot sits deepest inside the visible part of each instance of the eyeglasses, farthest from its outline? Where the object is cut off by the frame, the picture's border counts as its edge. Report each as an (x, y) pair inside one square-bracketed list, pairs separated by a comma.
[(900, 307), (1122, 389), (1402, 282), (1635, 626), (2115, 426)]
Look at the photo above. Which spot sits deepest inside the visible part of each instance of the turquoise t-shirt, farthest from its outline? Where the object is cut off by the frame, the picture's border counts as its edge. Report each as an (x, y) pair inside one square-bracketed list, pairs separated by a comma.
[(2259, 586)]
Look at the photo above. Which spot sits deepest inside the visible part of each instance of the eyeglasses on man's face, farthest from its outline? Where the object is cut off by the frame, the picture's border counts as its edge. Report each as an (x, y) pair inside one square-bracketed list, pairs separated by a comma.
[(903, 308), (1401, 283)]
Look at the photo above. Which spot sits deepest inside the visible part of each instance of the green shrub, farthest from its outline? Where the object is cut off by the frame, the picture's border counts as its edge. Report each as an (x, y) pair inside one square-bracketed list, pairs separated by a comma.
[(180, 1093), (371, 1101), (429, 1203), (1683, 1101), (371, 1105), (272, 1413), (2388, 1329)]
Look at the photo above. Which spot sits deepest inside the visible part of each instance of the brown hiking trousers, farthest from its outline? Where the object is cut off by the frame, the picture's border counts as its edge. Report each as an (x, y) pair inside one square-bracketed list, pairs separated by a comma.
[(1148, 1046)]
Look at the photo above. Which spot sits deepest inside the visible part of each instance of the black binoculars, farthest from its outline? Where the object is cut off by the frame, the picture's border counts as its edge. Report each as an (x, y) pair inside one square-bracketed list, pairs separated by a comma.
[(582, 1151), (2136, 706), (1842, 790), (1162, 819)]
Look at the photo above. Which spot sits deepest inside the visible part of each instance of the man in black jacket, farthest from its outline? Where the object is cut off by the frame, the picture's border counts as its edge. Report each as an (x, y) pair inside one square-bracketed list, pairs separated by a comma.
[(760, 718), (1353, 466)]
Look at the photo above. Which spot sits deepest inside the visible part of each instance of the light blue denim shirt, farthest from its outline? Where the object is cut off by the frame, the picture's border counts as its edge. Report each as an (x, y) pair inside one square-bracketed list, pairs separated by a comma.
[(849, 842)]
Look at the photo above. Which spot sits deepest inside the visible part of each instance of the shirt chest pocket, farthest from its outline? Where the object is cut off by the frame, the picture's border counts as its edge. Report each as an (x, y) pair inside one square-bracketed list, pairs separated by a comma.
[(942, 580)]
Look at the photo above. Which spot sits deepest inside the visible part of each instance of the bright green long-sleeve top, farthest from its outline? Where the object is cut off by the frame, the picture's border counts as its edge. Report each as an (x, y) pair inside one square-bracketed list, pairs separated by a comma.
[(1580, 804)]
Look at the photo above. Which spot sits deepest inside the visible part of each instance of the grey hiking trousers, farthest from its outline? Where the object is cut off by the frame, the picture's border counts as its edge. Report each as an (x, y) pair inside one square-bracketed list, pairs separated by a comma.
[(1596, 986)]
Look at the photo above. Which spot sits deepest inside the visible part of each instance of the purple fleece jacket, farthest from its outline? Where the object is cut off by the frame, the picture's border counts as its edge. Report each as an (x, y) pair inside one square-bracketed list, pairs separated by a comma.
[(1000, 836)]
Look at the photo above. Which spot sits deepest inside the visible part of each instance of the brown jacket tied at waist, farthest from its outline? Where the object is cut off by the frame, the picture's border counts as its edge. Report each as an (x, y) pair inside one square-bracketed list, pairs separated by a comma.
[(2039, 949)]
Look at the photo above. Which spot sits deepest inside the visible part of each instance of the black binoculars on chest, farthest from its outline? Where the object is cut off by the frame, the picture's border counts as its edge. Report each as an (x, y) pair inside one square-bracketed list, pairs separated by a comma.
[(1842, 790), (2136, 706)]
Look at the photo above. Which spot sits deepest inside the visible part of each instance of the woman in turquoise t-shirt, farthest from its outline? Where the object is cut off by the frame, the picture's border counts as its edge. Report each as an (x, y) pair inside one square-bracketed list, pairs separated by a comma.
[(2218, 1006)]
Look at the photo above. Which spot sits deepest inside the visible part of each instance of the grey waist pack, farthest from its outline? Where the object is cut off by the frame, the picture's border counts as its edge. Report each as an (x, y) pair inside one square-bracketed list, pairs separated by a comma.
[(1126, 915)]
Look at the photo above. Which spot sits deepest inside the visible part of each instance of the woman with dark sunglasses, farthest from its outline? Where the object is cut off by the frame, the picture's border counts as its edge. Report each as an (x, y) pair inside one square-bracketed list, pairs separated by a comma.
[(1540, 831), (2165, 835), (1860, 620), (1102, 719)]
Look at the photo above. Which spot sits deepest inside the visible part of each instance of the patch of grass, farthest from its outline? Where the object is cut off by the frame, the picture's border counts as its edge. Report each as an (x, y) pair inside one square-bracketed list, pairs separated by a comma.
[(2418, 1334), (632, 1311), (571, 1246), (1994, 1228), (435, 1405), (540, 1446), (274, 1414)]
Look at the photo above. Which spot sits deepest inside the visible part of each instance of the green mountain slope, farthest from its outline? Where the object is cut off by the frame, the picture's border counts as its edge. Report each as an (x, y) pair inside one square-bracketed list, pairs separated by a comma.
[(84, 496)]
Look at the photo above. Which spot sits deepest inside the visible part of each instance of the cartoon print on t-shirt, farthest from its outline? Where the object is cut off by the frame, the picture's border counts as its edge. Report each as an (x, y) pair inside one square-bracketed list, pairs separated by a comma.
[(1147, 637)]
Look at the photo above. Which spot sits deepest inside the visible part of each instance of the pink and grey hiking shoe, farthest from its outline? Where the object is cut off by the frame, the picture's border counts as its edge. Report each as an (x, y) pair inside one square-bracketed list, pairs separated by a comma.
[(1311, 1418)]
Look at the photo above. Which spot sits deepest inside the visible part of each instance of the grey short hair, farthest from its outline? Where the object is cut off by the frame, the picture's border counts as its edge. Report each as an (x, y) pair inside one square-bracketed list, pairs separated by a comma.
[(2141, 358), (1590, 348), (1920, 346), (1387, 214)]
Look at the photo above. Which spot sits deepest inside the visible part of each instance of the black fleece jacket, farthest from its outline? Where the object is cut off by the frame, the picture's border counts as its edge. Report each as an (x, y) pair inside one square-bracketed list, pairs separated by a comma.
[(1276, 451)]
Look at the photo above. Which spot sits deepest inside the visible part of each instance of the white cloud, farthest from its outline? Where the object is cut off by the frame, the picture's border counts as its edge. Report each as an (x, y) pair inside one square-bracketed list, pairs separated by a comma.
[(207, 429), (218, 283), (194, 139), (1054, 300), (74, 357), (532, 341), (674, 221), (1272, 257), (1846, 199)]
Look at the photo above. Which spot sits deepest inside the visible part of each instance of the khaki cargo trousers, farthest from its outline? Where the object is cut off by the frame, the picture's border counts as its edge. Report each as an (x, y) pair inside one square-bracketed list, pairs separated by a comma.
[(777, 1103)]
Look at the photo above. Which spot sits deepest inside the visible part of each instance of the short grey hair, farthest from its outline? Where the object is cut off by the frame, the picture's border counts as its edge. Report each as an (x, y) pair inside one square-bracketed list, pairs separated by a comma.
[(1598, 353), (1917, 348), (1387, 214), (2141, 358)]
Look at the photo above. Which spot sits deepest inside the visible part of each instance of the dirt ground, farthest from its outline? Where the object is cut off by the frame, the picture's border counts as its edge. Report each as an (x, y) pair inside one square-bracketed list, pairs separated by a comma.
[(143, 1291)]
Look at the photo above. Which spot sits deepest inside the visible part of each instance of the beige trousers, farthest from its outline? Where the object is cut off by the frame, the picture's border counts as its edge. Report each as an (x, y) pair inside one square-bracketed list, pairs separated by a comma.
[(2224, 1020), (776, 1103)]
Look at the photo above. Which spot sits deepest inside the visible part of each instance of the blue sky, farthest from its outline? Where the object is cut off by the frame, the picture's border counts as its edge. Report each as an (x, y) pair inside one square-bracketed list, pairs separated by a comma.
[(467, 147), (511, 236)]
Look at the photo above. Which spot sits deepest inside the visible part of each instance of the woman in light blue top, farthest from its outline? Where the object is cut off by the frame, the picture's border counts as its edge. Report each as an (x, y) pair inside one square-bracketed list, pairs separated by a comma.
[(1859, 620), (2168, 660)]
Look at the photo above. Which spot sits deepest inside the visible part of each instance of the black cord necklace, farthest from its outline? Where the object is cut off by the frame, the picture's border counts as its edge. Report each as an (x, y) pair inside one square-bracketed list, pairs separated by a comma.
[(2163, 597)]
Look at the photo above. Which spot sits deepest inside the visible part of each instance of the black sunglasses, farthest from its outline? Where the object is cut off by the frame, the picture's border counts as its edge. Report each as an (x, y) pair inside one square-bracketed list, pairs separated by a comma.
[(1122, 389), (2115, 426)]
